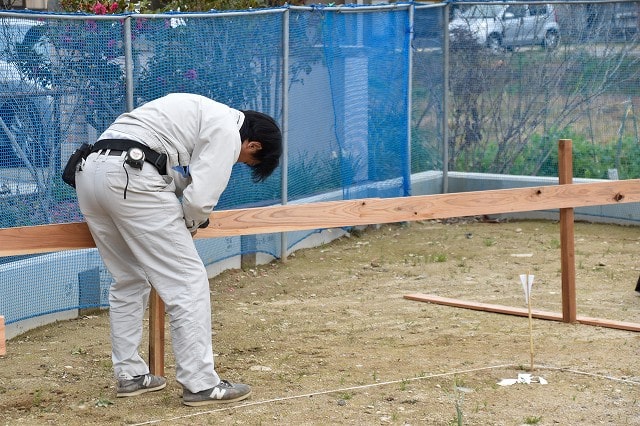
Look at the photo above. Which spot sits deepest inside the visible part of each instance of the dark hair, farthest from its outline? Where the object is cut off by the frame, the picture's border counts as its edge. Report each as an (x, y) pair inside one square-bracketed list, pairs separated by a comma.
[(264, 129)]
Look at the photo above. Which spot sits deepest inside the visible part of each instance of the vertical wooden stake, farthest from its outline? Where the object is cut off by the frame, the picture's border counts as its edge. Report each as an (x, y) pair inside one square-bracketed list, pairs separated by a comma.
[(567, 243), (3, 343), (530, 324), (156, 334)]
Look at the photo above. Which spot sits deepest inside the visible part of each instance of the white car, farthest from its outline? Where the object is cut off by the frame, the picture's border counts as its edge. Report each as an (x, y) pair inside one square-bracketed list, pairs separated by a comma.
[(25, 105), (500, 27)]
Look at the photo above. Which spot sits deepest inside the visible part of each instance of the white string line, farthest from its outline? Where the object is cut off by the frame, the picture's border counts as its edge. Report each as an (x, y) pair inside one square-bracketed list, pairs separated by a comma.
[(584, 373), (307, 395), (391, 382)]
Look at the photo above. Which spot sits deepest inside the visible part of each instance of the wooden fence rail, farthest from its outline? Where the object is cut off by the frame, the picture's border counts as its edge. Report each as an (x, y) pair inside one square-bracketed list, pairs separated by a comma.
[(332, 214), (291, 217)]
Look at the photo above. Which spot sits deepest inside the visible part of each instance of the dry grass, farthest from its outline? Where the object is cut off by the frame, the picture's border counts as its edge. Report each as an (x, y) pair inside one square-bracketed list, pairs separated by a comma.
[(328, 337)]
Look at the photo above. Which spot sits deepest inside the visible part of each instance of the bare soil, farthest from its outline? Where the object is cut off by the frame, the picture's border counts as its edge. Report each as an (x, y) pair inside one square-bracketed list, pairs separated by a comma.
[(328, 337)]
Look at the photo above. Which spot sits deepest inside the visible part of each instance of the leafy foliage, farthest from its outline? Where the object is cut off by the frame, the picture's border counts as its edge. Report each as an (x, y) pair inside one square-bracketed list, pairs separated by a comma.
[(590, 160), (509, 109), (95, 7), (155, 6)]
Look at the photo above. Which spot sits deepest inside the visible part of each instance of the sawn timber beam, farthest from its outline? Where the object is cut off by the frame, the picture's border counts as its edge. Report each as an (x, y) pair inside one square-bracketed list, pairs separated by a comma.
[(334, 214)]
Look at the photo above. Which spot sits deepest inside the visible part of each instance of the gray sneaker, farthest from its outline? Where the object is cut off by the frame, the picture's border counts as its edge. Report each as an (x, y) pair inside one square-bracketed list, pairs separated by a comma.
[(222, 393), (131, 386)]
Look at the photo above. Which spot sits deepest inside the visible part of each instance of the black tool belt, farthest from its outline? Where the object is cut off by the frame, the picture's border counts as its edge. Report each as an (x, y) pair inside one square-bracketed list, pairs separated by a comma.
[(150, 156)]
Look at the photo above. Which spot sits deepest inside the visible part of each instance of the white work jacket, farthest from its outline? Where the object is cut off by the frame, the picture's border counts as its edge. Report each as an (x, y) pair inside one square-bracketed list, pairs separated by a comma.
[(201, 138)]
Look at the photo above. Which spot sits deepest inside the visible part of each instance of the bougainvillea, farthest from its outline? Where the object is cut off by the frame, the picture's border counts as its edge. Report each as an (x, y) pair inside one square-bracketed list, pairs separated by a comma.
[(95, 7), (153, 6)]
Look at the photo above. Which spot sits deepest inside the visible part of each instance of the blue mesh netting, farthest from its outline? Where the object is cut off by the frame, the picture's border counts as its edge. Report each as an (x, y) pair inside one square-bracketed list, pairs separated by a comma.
[(346, 129), (348, 99)]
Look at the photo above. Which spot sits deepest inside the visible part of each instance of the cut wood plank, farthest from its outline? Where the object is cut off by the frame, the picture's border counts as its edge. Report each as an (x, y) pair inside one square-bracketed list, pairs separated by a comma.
[(3, 339), (486, 307), (567, 243), (44, 238), (156, 334), (333, 214), (522, 312), (424, 207)]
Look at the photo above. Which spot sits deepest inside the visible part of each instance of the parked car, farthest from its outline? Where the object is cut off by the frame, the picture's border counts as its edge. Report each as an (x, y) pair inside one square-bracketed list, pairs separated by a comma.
[(25, 104), (501, 27)]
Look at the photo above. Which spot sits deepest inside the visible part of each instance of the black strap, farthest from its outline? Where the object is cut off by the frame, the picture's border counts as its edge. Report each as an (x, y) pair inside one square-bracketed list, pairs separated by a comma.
[(151, 156)]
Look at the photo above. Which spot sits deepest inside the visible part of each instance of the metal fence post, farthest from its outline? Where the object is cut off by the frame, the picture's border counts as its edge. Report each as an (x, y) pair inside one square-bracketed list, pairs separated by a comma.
[(285, 125), (128, 63), (445, 98), (407, 173)]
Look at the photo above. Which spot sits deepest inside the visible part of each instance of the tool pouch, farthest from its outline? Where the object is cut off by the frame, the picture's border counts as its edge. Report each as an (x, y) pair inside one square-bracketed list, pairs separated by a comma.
[(69, 173)]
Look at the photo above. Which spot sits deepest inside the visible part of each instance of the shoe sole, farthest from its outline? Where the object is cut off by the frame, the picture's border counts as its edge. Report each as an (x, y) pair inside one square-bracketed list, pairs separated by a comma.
[(215, 401), (141, 391)]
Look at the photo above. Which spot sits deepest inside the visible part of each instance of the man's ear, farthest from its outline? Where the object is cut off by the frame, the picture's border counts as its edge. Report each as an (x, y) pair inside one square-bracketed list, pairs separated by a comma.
[(254, 146)]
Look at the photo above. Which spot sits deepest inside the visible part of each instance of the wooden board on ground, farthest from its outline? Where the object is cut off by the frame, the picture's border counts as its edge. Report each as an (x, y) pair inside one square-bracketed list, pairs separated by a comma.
[(522, 312)]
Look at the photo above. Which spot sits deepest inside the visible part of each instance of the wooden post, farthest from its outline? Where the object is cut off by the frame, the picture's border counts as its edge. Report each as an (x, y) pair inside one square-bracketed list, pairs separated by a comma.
[(567, 243), (3, 344), (156, 334), (248, 248)]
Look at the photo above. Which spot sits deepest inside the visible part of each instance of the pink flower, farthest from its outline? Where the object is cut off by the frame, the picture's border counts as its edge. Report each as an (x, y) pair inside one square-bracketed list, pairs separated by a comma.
[(113, 7), (191, 74), (99, 9)]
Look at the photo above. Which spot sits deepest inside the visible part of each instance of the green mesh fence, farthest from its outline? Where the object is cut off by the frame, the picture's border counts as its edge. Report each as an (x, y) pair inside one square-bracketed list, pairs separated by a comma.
[(522, 76)]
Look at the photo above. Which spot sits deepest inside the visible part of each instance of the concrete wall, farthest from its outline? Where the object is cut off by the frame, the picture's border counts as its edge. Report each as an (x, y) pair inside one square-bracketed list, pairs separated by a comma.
[(621, 214)]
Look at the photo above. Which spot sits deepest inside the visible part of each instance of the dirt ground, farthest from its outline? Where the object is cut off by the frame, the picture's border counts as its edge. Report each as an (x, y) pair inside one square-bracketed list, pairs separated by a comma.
[(328, 337)]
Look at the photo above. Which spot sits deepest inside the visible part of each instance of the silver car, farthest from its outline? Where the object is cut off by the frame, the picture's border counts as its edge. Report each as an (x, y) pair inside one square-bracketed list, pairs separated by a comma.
[(501, 27)]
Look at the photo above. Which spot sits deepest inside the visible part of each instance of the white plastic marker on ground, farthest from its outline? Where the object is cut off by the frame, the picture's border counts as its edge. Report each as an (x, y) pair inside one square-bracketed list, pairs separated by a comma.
[(527, 378), (527, 284)]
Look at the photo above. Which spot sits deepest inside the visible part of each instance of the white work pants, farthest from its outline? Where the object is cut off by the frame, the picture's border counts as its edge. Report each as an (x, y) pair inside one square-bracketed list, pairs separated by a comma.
[(143, 241)]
